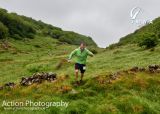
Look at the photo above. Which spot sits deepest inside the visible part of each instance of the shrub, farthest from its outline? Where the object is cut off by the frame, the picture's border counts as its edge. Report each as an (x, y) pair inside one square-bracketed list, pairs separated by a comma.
[(3, 31), (75, 38), (56, 33), (16, 36), (16, 25), (94, 51), (149, 42), (112, 46)]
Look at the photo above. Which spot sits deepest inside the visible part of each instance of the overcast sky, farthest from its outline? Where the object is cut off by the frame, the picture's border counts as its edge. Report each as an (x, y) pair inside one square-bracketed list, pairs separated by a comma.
[(106, 21)]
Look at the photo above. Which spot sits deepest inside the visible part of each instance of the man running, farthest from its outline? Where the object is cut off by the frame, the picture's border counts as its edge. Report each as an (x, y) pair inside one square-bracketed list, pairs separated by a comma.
[(81, 53)]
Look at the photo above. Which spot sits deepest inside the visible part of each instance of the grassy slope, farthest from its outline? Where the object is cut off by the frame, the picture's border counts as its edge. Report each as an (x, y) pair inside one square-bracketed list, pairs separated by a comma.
[(20, 27), (136, 94), (142, 33)]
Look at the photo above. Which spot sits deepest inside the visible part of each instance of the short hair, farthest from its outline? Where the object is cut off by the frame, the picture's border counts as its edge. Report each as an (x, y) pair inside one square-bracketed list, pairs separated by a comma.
[(83, 43)]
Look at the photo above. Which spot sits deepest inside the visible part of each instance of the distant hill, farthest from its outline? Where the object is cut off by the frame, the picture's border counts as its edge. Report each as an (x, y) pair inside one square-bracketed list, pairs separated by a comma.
[(18, 27), (149, 30)]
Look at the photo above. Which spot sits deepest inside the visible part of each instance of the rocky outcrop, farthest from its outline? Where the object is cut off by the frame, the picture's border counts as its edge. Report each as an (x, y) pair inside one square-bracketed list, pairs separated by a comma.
[(154, 68), (35, 78), (38, 78)]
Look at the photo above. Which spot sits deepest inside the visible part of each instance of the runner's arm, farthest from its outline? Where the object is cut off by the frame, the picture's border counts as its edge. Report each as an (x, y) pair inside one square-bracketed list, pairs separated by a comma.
[(72, 54), (90, 53)]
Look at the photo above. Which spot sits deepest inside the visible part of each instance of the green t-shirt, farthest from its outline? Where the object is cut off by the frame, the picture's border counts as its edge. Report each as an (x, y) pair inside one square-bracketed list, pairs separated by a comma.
[(80, 55)]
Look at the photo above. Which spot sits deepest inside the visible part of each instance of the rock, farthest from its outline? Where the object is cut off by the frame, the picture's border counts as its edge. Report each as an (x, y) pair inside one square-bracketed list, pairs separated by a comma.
[(10, 84), (24, 81), (153, 68), (38, 78), (134, 69), (51, 76), (158, 70), (142, 69)]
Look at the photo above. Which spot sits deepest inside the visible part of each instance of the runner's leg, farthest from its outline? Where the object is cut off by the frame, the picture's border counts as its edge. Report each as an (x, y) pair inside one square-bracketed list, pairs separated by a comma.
[(76, 74), (82, 74)]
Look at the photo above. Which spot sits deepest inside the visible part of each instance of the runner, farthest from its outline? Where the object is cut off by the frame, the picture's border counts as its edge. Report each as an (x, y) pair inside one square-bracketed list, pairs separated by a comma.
[(81, 54)]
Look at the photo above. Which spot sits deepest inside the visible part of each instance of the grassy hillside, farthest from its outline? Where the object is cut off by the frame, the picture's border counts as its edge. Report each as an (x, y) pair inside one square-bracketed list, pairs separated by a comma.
[(148, 31), (20, 27), (131, 93), (109, 84)]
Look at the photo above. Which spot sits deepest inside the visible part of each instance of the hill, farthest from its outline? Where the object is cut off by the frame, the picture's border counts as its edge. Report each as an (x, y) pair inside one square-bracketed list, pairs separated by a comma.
[(20, 27), (148, 31)]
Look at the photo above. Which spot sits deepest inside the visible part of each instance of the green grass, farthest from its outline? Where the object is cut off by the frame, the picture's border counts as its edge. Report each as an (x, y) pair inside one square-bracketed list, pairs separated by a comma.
[(137, 93)]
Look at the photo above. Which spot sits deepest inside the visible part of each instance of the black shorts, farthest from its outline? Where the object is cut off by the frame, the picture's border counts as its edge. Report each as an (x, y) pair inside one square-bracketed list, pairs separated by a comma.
[(81, 67)]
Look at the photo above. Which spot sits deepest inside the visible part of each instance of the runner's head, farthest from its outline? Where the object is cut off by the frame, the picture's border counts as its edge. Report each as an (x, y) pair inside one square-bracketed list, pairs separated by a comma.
[(82, 46)]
